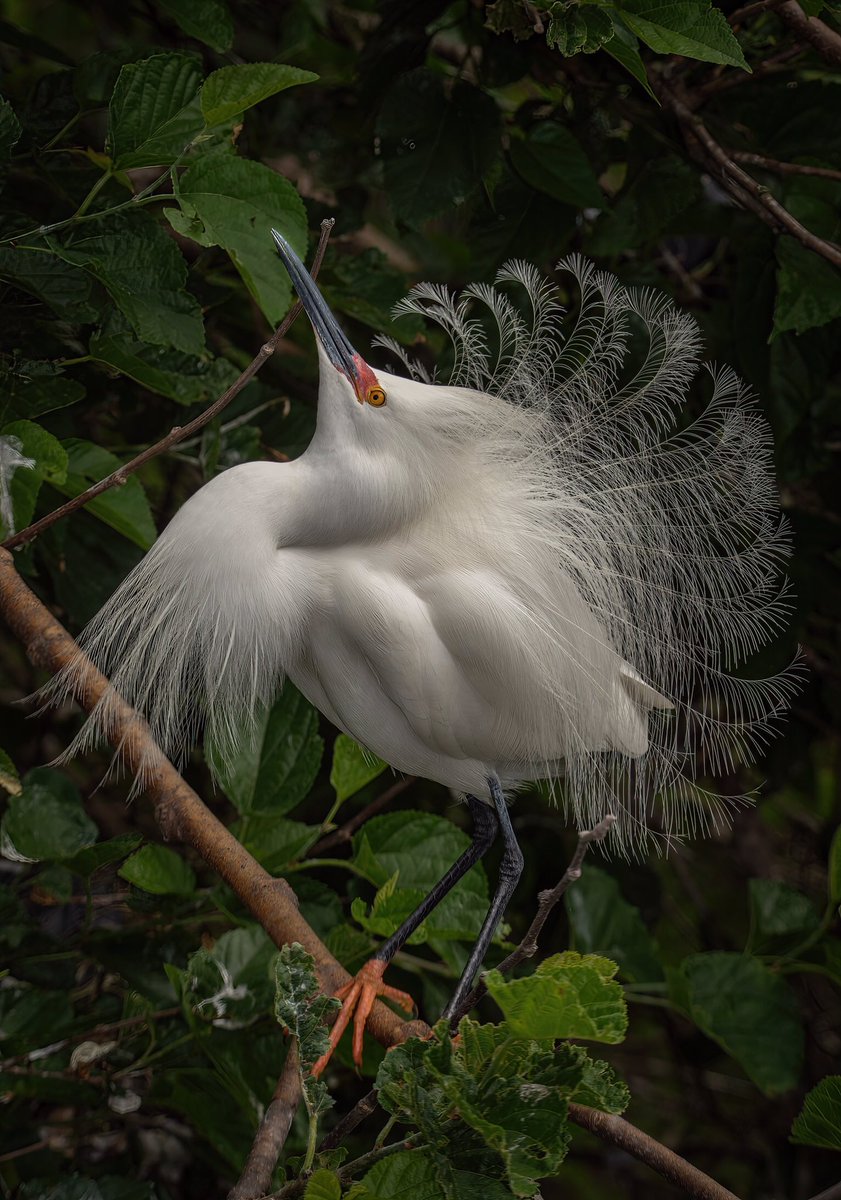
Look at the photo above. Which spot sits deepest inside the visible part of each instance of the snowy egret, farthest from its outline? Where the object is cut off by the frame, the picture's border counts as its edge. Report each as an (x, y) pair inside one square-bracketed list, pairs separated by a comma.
[(539, 567)]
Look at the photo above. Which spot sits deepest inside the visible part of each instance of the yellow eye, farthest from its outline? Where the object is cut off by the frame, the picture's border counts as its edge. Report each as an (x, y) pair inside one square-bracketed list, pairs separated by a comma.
[(376, 397)]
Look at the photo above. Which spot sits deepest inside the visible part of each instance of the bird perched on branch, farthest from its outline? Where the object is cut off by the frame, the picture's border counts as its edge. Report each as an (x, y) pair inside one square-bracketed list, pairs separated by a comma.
[(539, 569)]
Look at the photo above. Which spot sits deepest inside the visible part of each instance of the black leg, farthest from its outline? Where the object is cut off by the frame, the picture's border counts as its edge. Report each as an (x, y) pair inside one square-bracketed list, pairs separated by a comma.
[(510, 870), (484, 832)]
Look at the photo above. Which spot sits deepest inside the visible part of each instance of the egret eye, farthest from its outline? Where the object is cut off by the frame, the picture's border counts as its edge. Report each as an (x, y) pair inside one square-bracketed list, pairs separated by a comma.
[(376, 397)]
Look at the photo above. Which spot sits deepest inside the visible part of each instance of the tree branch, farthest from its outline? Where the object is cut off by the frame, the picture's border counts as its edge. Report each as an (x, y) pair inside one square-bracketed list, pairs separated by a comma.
[(665, 1162), (742, 187), (179, 432), (342, 835), (784, 168), (270, 1138), (180, 813), (819, 35)]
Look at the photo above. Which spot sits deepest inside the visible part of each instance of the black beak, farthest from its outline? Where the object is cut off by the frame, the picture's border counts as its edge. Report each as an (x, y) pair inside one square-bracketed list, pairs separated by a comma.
[(327, 329)]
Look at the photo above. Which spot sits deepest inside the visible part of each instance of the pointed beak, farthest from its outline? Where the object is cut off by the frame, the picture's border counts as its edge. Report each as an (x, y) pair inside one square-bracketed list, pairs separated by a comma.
[(327, 329)]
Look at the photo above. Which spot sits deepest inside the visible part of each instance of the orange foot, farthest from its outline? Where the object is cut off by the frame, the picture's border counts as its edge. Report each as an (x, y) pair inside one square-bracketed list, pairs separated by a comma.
[(357, 997)]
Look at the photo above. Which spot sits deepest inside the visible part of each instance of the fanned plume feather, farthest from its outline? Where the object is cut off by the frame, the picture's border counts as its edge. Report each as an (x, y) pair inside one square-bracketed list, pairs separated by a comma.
[(597, 486)]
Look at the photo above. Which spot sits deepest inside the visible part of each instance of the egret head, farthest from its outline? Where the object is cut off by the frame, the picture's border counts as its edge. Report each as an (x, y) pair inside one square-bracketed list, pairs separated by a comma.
[(343, 357)]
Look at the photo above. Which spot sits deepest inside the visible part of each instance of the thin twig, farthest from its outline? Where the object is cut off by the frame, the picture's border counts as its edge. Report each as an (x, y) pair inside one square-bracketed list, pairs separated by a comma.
[(90, 1034), (271, 1136), (665, 1162), (783, 168), (735, 77), (819, 35), (344, 1128), (741, 186), (748, 10), (342, 835), (546, 901), (179, 432)]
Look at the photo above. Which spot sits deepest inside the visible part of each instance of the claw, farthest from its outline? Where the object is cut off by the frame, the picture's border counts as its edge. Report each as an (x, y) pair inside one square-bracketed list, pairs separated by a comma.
[(357, 997)]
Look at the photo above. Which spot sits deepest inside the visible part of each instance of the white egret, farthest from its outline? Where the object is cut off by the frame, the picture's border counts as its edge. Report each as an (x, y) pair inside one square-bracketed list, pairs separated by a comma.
[(540, 567)]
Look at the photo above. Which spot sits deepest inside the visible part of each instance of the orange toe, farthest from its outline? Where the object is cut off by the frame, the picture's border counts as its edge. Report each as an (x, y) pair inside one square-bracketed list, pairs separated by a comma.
[(357, 997)]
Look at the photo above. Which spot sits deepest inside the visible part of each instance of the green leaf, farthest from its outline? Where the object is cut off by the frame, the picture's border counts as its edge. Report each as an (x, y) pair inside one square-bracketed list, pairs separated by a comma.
[(436, 142), (603, 922), (30, 456), (834, 867), (781, 916), (233, 203), (302, 1009), (419, 848), (647, 206), (692, 28), (231, 90), (65, 288), (409, 1173), (233, 983), (274, 841), (125, 507), (578, 29), (144, 272), (353, 767), (551, 160), (154, 111), (624, 47), (103, 854), (32, 388), (209, 21), (323, 1185), (569, 996), (159, 870), (180, 377), (46, 821), (274, 769), (9, 778), (819, 1122), (808, 289), (10, 130), (749, 1011)]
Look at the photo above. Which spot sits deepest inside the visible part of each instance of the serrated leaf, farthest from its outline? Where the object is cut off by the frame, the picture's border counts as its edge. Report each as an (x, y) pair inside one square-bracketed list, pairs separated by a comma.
[(31, 456), (808, 289), (159, 870), (209, 21), (230, 91), (323, 1185), (9, 778), (154, 111), (274, 841), (65, 288), (749, 1011), (144, 272), (302, 1009), (232, 983), (234, 203), (409, 1173), (273, 770), (603, 922), (578, 29), (819, 1122), (180, 377), (419, 848), (550, 159), (436, 144), (624, 47), (353, 767), (693, 28), (124, 508), (569, 996), (46, 820)]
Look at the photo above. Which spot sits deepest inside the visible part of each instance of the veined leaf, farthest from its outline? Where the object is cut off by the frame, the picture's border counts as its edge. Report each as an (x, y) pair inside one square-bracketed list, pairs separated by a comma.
[(353, 767), (819, 1122), (693, 28), (209, 21), (231, 90), (569, 996), (154, 111), (124, 508), (159, 870)]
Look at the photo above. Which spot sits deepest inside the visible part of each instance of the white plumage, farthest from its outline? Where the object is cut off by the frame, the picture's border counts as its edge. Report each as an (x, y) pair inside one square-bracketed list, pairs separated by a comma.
[(541, 568)]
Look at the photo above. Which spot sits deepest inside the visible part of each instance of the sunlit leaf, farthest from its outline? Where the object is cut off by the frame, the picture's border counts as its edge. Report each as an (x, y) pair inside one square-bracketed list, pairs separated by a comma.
[(569, 996)]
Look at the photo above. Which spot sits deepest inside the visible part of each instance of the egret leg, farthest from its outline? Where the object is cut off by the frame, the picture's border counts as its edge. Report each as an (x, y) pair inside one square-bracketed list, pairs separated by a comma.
[(510, 870), (359, 994)]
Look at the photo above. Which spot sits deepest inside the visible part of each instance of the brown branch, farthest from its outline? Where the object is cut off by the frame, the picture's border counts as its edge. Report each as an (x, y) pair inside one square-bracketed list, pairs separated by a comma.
[(270, 1138), (735, 77), (748, 10), (665, 1162), (180, 813), (179, 432), (546, 901), (783, 168), (342, 835), (819, 35), (742, 187)]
